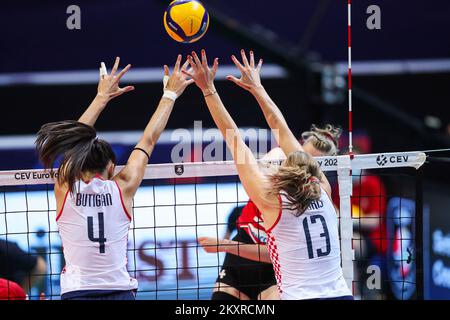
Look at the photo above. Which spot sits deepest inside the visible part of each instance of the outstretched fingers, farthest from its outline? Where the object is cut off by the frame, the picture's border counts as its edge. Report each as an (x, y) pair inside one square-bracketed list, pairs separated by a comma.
[(204, 59), (127, 89), (260, 63), (192, 63), (233, 79), (252, 59), (115, 67), (237, 63), (185, 65), (244, 58), (196, 59), (177, 64), (188, 73), (103, 70), (238, 82), (215, 66), (121, 73)]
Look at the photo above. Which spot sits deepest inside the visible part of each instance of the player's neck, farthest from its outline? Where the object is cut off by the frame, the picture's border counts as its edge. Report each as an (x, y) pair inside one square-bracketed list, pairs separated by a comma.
[(88, 176)]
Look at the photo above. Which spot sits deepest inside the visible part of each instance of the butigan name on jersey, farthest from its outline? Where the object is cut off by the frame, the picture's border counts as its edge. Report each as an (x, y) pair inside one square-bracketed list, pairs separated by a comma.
[(93, 200)]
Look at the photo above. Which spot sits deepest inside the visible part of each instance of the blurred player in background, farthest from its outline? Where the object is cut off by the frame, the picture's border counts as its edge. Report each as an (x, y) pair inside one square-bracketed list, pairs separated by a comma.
[(94, 205), (18, 266), (231, 222)]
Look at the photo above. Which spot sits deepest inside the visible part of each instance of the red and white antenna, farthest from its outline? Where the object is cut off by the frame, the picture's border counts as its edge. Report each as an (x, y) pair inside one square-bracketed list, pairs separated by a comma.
[(350, 116)]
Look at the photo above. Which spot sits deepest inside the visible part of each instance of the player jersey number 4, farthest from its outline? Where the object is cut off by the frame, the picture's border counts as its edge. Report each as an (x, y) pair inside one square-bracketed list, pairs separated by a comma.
[(94, 225)]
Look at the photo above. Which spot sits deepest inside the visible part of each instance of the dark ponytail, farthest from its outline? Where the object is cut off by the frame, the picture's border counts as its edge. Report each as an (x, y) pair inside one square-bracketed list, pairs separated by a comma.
[(78, 147)]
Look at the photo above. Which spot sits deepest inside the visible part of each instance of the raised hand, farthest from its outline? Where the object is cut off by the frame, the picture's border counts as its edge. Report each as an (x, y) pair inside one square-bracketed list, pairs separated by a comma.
[(177, 81), (250, 74), (201, 73), (108, 85)]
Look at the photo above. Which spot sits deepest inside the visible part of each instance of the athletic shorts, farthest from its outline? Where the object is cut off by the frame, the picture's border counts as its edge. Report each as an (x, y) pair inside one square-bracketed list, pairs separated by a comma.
[(99, 295), (248, 276)]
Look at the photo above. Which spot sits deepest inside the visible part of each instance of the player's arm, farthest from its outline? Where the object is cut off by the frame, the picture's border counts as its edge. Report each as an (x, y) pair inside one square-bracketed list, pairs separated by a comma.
[(254, 182), (130, 177), (251, 81), (108, 89), (253, 252)]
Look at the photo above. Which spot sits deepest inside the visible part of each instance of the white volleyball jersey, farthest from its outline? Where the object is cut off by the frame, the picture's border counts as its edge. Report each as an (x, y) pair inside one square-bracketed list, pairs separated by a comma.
[(305, 252), (93, 224)]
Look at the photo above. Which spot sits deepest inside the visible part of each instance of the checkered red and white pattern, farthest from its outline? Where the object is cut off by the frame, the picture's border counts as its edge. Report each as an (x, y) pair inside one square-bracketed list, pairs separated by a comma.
[(273, 252)]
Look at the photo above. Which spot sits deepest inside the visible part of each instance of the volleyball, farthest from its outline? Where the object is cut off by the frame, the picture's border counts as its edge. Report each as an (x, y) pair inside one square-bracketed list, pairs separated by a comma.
[(186, 21)]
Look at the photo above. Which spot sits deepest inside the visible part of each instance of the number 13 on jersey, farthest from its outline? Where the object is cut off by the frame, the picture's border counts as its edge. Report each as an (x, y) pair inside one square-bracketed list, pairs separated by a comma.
[(313, 219)]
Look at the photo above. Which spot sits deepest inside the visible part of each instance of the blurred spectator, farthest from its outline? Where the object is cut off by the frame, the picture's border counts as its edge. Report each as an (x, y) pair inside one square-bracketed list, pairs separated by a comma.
[(20, 267)]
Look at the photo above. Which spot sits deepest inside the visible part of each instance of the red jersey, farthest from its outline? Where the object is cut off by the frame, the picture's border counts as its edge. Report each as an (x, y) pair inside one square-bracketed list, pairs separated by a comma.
[(251, 221)]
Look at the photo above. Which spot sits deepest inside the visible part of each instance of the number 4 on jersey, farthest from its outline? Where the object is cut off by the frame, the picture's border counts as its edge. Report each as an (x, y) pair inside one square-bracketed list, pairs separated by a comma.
[(101, 231)]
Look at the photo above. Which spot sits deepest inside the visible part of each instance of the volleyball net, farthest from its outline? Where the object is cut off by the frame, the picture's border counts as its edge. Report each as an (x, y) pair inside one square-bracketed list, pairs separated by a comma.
[(377, 196)]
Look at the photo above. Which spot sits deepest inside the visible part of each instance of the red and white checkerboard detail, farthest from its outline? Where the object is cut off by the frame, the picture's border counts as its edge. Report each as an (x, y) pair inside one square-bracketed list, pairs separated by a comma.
[(273, 252)]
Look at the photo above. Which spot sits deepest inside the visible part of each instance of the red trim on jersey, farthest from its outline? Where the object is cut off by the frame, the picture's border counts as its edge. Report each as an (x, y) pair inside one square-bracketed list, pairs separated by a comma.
[(121, 200), (62, 208), (274, 257), (279, 215)]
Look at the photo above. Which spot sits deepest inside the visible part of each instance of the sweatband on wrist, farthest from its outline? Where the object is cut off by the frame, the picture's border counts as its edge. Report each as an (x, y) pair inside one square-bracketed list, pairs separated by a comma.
[(170, 95)]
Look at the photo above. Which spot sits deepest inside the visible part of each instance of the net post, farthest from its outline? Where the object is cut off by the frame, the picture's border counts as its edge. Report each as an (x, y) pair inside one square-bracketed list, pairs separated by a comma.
[(419, 235)]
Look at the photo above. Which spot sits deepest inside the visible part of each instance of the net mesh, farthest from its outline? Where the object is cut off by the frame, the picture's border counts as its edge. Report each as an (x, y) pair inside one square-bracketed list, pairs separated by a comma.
[(177, 204)]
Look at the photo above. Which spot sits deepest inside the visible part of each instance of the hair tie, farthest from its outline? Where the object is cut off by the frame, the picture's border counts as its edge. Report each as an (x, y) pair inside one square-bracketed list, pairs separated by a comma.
[(330, 137)]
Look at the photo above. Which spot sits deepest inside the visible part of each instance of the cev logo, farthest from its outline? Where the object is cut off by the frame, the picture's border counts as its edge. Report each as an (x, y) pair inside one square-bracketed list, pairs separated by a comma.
[(382, 160)]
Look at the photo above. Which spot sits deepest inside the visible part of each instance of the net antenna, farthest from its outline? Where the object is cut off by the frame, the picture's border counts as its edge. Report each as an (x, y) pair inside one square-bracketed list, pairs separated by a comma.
[(344, 172), (350, 117)]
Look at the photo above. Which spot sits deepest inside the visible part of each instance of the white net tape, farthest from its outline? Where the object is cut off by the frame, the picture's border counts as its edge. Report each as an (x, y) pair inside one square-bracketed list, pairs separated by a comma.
[(227, 168)]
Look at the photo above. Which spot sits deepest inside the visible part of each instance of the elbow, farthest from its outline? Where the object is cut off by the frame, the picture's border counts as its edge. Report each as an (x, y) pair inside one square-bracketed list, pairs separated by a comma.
[(274, 121), (150, 141)]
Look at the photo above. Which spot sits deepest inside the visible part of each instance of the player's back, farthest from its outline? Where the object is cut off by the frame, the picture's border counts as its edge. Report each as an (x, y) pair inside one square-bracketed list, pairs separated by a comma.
[(93, 225), (305, 251)]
